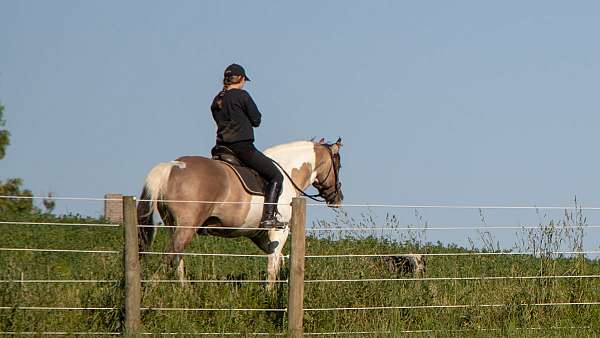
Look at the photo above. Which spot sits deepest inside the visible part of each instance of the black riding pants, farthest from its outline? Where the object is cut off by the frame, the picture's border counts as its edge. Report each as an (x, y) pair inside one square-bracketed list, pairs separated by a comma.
[(256, 160)]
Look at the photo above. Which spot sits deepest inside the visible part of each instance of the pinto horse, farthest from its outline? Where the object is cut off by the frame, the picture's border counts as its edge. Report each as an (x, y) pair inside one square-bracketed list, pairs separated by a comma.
[(171, 188)]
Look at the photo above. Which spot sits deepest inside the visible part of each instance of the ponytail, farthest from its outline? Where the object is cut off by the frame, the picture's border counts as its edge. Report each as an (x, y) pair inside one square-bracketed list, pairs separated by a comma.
[(219, 100), (227, 81)]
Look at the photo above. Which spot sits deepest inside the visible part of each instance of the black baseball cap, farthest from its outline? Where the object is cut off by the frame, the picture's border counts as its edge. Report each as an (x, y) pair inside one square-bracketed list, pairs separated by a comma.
[(235, 69)]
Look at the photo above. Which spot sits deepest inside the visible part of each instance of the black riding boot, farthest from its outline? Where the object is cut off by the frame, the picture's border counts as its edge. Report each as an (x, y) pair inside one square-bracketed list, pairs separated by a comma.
[(269, 220)]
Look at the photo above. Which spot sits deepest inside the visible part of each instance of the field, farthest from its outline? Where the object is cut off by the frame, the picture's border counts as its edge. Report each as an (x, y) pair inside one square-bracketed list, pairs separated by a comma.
[(516, 317)]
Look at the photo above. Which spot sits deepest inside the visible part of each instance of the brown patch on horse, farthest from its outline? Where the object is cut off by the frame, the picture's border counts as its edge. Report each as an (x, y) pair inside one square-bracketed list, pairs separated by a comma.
[(234, 215), (322, 159), (204, 179), (301, 176)]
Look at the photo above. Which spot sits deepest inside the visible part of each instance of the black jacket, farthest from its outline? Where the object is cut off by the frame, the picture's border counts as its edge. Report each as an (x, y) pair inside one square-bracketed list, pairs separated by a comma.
[(238, 115)]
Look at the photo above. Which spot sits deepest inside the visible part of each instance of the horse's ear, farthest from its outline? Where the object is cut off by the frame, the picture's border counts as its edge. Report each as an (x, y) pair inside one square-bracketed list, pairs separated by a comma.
[(322, 140), (335, 148)]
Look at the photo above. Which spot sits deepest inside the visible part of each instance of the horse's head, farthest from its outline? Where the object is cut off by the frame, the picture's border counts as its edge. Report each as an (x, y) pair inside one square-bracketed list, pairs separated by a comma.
[(327, 180)]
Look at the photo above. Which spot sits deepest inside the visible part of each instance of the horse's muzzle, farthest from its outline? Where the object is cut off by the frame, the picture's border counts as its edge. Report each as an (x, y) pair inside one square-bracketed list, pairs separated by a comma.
[(339, 197)]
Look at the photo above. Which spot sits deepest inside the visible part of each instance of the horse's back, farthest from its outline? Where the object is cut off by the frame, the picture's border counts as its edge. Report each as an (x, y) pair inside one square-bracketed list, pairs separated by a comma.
[(200, 178)]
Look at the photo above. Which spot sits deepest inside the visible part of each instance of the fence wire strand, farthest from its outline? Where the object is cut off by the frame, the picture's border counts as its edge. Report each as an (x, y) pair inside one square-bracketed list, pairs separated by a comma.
[(406, 307), (444, 331), (48, 308), (60, 223), (214, 281), (450, 206), (459, 254), (434, 279), (457, 306), (355, 229), (243, 334), (212, 228), (60, 250), (59, 333), (491, 227), (58, 281), (65, 333), (185, 309), (347, 205), (91, 281), (357, 280), (207, 254), (97, 199)]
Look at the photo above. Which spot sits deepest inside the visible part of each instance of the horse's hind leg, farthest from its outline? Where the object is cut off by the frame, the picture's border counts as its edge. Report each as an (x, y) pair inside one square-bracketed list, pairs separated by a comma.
[(181, 270), (183, 234), (179, 240)]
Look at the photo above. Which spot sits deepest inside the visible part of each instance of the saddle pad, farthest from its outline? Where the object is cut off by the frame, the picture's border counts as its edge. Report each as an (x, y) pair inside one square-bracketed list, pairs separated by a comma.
[(251, 180)]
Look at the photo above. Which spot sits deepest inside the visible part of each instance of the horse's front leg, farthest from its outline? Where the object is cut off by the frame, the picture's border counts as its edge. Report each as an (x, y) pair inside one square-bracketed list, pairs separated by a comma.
[(272, 243), (274, 264)]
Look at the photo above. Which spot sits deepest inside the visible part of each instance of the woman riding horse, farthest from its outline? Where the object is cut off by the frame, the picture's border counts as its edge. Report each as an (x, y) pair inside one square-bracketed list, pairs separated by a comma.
[(236, 115), (198, 195)]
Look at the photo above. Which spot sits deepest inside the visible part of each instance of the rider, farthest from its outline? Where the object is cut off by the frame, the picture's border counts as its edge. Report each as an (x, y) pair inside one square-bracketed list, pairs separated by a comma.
[(236, 114)]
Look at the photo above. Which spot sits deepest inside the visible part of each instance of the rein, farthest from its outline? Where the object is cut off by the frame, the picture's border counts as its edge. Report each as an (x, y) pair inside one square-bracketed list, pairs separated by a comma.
[(312, 197)]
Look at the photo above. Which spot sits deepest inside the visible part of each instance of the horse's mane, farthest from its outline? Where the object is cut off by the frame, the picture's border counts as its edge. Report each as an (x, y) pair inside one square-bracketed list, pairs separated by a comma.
[(278, 149)]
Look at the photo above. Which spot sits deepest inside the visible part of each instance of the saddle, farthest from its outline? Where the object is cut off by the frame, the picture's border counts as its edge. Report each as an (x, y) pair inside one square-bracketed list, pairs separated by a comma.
[(253, 183)]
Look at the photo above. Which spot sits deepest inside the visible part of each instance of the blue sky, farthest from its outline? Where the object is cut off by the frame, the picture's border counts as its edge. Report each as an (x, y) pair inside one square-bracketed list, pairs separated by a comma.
[(462, 102)]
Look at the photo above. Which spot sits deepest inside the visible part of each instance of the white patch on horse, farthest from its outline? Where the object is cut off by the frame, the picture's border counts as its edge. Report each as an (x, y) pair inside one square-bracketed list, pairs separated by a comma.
[(277, 237), (280, 236), (255, 212), (304, 152)]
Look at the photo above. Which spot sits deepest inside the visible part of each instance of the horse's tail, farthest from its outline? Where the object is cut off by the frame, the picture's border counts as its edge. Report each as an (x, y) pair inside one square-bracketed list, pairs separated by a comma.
[(155, 187)]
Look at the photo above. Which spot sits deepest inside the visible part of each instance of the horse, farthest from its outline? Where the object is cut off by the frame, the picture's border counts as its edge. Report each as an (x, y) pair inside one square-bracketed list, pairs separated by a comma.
[(194, 194)]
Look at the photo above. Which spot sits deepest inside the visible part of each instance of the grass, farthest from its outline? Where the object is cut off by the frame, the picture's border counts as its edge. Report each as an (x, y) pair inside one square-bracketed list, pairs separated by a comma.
[(512, 319)]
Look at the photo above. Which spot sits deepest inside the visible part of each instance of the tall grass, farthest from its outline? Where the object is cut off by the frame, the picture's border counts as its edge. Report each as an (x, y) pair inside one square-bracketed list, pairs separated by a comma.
[(514, 318)]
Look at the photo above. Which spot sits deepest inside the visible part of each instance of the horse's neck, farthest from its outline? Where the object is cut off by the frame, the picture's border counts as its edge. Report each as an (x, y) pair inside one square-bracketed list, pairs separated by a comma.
[(298, 159)]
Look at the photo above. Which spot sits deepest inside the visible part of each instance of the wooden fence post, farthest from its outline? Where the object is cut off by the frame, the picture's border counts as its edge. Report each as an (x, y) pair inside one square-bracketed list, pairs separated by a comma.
[(131, 263), (296, 283)]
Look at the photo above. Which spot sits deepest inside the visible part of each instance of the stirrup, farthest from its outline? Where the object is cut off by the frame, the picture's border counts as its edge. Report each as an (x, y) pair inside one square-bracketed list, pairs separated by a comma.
[(272, 223)]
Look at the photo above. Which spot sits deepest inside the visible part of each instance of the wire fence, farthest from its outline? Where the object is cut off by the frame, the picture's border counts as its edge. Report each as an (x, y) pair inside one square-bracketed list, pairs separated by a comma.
[(311, 256)]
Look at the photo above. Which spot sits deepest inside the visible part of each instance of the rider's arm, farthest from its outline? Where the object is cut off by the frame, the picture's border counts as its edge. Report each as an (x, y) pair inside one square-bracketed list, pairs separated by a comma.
[(251, 110)]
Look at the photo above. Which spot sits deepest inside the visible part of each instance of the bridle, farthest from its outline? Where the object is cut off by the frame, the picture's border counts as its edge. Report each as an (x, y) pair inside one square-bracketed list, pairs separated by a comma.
[(331, 192), (327, 193)]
